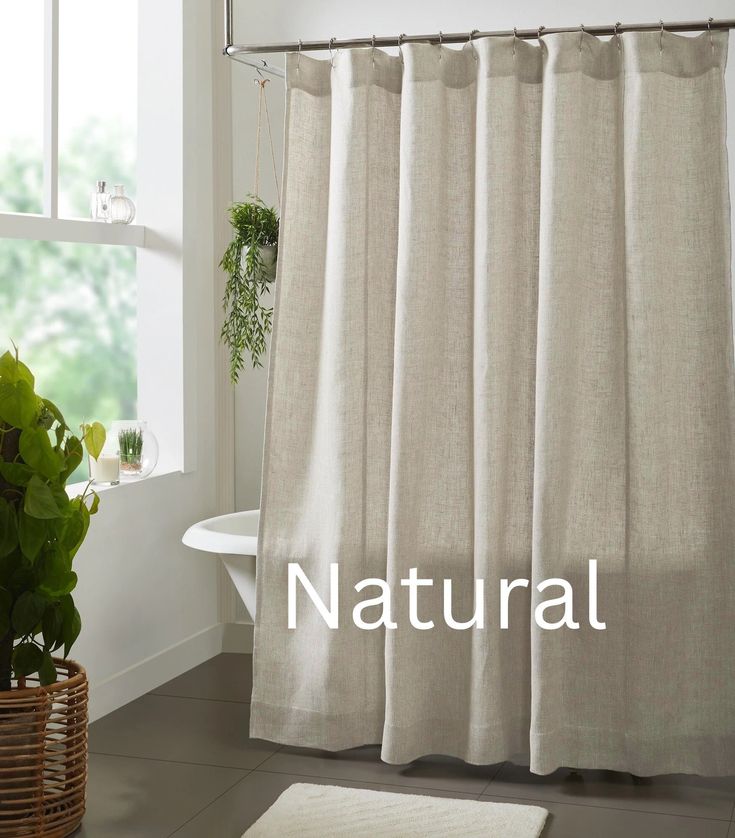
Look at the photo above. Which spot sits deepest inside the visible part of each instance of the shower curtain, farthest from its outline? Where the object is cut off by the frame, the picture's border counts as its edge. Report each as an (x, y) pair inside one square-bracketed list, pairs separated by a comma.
[(503, 348)]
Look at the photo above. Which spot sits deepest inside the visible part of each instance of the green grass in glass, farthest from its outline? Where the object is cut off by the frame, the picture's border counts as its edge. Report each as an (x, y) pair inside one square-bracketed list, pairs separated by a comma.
[(130, 441)]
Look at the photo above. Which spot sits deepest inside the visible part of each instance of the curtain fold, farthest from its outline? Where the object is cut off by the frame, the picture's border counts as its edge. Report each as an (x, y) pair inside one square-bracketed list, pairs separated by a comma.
[(503, 348)]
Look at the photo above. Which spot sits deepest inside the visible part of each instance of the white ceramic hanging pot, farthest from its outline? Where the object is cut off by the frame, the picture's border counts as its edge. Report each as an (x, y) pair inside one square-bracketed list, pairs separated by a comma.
[(269, 258)]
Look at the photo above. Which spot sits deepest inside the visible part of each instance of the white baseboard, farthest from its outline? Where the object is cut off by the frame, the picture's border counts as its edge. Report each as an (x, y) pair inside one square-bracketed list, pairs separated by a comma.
[(135, 681)]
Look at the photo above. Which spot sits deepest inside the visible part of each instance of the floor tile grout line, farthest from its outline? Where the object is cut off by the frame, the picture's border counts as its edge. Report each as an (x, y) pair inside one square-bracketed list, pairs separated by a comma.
[(199, 698), (176, 761), (607, 808), (261, 770), (211, 803), (193, 698), (494, 775)]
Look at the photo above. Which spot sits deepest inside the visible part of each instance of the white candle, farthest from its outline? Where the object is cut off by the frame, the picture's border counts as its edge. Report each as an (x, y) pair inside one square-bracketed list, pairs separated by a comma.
[(105, 469)]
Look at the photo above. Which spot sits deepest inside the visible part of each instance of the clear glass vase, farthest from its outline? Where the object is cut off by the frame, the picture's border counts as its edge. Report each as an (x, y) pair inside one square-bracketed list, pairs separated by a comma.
[(138, 448), (122, 209)]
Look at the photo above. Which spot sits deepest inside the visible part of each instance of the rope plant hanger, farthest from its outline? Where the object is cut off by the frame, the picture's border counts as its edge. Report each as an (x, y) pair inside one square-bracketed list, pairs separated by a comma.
[(250, 262)]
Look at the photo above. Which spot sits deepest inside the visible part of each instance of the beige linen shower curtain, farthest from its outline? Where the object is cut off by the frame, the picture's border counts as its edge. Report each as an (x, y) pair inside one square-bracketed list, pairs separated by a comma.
[(502, 349)]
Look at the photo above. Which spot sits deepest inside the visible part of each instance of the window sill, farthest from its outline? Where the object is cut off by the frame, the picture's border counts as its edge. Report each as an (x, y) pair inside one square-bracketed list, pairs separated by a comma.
[(75, 489), (79, 230)]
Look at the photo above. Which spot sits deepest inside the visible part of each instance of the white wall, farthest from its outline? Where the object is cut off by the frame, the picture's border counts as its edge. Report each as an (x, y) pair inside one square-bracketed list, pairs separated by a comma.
[(149, 605), (283, 20)]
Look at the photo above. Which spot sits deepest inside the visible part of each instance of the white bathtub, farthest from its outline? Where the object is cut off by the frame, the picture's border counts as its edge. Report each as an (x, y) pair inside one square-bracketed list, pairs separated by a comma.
[(235, 539)]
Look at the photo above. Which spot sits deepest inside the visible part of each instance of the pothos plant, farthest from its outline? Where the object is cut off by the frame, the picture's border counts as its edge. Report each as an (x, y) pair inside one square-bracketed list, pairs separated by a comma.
[(249, 263), (41, 528)]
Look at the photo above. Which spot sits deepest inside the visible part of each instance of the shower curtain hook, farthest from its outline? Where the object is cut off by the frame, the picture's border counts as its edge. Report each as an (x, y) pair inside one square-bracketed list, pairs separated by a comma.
[(441, 38), (331, 54), (581, 35), (661, 37), (616, 34), (298, 60), (470, 36), (372, 47), (709, 29), (515, 38), (538, 33), (400, 45)]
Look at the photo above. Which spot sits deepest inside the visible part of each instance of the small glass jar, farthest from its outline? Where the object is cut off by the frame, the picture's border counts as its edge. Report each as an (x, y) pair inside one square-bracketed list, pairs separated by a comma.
[(138, 448), (105, 469), (122, 209)]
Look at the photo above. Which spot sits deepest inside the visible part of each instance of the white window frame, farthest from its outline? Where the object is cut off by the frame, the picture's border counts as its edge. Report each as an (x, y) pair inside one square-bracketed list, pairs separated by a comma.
[(48, 226), (166, 309)]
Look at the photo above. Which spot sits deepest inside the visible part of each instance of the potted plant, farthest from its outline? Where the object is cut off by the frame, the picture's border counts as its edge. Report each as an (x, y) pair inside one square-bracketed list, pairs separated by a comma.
[(43, 698), (250, 265)]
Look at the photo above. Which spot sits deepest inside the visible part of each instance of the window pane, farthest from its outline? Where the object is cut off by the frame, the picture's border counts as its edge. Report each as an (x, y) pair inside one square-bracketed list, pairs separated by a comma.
[(21, 122), (98, 62), (72, 309)]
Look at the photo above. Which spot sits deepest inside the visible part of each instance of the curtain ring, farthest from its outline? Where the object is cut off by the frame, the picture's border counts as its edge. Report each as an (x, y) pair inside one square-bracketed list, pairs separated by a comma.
[(581, 35), (470, 36), (709, 29), (441, 38), (331, 54), (539, 31), (400, 45), (372, 47), (616, 34), (661, 37), (515, 38), (298, 60)]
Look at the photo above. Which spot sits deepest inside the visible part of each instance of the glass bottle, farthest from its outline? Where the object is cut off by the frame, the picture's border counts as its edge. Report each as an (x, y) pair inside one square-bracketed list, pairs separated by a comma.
[(100, 204), (122, 209)]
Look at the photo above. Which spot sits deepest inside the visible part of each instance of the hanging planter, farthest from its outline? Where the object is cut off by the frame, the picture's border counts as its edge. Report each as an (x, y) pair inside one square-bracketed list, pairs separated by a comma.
[(250, 264)]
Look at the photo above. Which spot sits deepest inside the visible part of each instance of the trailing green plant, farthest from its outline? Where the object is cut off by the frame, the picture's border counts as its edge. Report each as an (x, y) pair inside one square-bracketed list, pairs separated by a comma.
[(41, 528), (130, 441), (248, 321)]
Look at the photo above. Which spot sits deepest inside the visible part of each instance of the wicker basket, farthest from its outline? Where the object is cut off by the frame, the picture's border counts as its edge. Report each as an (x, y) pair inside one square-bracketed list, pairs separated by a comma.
[(43, 756)]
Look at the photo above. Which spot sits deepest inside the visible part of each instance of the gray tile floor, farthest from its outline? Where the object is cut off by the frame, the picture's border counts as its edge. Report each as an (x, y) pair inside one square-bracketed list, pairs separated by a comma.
[(178, 762)]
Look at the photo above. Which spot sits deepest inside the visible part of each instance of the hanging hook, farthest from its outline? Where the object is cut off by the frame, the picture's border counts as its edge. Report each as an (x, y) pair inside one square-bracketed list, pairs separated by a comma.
[(616, 34), (581, 35), (400, 45), (709, 29), (515, 38), (372, 48), (298, 60), (331, 54), (661, 37), (538, 33), (470, 36), (441, 38)]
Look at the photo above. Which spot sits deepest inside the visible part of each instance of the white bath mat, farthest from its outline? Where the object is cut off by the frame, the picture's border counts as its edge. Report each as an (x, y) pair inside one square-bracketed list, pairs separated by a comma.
[(310, 811)]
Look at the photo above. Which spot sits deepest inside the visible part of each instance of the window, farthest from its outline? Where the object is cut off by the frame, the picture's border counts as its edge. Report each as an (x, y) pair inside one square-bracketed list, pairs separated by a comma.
[(68, 290)]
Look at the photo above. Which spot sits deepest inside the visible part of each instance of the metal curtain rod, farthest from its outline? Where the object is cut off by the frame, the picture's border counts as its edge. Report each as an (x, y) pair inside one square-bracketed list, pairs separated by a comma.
[(458, 37)]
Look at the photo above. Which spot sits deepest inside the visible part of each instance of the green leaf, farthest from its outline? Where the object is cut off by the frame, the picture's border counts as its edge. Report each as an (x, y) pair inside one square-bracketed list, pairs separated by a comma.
[(95, 505), (56, 576), (72, 625), (31, 535), (27, 612), (27, 659), (18, 404), (47, 671), (37, 451), (73, 453), (94, 438), (55, 412), (17, 474), (6, 603), (51, 627), (8, 528), (39, 501), (13, 370)]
